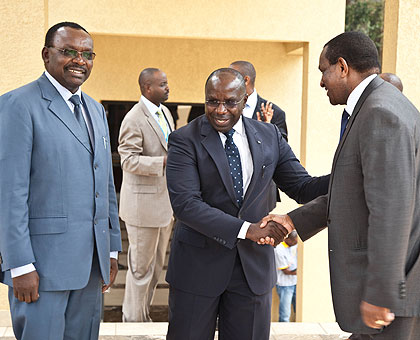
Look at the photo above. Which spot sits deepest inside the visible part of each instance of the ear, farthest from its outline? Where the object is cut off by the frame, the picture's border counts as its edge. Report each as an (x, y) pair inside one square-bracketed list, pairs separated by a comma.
[(247, 80), (45, 53), (344, 67)]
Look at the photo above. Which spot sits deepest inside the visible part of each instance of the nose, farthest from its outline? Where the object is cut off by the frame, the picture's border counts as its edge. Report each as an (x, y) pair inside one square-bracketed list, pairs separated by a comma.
[(221, 108), (79, 59), (321, 83)]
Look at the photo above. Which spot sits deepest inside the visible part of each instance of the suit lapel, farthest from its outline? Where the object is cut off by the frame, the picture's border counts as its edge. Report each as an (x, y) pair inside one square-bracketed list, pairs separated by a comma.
[(212, 143), (154, 125), (60, 109), (95, 119), (256, 148), (372, 85)]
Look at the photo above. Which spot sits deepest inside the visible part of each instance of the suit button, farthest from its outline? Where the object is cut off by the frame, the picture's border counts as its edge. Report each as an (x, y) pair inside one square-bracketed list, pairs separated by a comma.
[(96, 194), (95, 221), (224, 242), (95, 166), (329, 221)]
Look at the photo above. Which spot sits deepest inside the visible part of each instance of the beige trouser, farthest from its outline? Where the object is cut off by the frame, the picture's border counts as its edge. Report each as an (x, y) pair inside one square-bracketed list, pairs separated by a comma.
[(146, 256)]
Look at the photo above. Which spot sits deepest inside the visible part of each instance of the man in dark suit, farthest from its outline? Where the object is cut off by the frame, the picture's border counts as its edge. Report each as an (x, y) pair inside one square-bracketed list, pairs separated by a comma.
[(218, 170), (371, 210), (257, 107), (59, 227)]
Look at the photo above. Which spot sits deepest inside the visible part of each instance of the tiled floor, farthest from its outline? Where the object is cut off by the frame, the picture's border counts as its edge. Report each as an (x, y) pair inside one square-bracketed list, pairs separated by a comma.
[(157, 330)]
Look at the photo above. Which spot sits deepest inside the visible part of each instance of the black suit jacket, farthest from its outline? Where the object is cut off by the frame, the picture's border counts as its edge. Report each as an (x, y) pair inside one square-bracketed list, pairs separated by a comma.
[(279, 116), (205, 244)]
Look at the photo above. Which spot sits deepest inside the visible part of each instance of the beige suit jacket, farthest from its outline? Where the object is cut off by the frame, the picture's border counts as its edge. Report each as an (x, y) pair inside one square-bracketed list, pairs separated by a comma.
[(144, 199)]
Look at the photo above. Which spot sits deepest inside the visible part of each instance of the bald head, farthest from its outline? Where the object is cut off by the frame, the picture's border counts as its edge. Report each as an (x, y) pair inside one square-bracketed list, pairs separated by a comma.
[(154, 85), (292, 238), (229, 75), (392, 79), (248, 72)]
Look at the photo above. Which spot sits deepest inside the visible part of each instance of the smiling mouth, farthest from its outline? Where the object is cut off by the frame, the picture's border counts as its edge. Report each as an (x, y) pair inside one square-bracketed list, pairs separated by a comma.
[(76, 71)]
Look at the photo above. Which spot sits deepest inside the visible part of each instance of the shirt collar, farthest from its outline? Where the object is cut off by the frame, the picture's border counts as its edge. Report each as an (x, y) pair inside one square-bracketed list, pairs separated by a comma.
[(252, 99), (238, 127), (357, 92), (65, 93), (150, 106)]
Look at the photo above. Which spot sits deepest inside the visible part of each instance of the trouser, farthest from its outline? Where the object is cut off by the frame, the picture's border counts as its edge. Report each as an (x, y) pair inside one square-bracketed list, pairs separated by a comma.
[(60, 315), (286, 294), (242, 315), (146, 256), (399, 329)]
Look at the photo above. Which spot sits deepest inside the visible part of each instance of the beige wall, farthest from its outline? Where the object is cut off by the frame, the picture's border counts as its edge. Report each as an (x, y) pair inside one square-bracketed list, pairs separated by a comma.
[(188, 39)]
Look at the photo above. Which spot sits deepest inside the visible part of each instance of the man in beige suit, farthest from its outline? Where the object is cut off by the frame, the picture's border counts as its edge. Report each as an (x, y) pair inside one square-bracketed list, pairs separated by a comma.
[(144, 201)]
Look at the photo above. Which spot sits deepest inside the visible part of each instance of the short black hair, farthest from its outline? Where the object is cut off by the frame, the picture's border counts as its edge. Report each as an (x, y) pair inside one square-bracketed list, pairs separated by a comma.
[(247, 69), (49, 37), (356, 48), (145, 76), (231, 71)]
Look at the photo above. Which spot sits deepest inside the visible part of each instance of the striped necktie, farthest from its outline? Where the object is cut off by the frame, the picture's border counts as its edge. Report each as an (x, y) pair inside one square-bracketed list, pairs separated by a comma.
[(162, 123)]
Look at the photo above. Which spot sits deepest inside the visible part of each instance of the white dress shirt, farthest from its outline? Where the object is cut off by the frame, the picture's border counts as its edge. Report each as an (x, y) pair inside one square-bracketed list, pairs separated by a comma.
[(250, 105), (241, 141), (153, 109), (357, 92), (66, 94)]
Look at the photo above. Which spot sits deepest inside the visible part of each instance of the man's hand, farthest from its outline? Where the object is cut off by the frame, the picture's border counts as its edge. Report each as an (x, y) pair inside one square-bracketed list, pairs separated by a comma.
[(267, 112), (284, 220), (375, 316), (25, 287), (273, 233), (112, 274)]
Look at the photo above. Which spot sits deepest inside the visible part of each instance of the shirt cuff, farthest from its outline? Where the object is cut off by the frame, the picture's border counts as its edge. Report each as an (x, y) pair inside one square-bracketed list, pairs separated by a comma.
[(244, 230), (22, 270), (113, 255)]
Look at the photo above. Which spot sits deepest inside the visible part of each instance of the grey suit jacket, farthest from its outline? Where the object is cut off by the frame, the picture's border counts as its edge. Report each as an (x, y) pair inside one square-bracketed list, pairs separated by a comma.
[(372, 209), (144, 199), (57, 196)]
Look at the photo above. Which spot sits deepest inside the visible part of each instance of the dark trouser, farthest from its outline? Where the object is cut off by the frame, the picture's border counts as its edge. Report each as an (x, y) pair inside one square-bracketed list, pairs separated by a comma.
[(242, 314), (400, 329), (60, 315)]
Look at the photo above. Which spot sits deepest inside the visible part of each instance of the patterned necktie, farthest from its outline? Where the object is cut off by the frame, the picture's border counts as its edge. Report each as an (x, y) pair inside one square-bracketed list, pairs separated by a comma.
[(162, 123), (75, 99), (234, 160), (344, 121)]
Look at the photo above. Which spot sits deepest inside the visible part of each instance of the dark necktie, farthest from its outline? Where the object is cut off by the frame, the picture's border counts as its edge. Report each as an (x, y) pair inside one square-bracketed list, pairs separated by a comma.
[(75, 99), (344, 120), (234, 160)]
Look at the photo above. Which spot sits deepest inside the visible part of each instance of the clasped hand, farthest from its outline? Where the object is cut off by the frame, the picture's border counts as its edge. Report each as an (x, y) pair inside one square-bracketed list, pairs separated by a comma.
[(271, 230)]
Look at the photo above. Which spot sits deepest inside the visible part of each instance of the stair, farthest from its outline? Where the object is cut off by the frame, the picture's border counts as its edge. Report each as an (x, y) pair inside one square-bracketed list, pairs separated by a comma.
[(114, 299)]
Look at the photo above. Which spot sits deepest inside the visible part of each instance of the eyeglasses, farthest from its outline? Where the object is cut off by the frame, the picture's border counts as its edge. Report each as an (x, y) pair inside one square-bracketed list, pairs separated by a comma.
[(70, 53), (228, 104)]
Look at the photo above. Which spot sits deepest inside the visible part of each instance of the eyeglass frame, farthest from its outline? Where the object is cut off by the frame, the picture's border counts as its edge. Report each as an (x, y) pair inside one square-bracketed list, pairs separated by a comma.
[(61, 50), (233, 104)]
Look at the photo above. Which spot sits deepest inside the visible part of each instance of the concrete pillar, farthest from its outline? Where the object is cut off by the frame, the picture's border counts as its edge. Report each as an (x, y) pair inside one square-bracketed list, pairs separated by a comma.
[(401, 44)]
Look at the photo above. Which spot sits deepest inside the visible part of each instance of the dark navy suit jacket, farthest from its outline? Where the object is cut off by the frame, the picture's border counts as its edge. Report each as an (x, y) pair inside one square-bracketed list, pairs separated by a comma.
[(205, 244)]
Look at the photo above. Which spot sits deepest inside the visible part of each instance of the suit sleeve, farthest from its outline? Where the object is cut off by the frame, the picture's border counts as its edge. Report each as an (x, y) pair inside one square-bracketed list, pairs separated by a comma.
[(114, 222), (279, 120), (186, 198), (388, 149), (311, 218), (292, 178), (16, 140), (130, 148)]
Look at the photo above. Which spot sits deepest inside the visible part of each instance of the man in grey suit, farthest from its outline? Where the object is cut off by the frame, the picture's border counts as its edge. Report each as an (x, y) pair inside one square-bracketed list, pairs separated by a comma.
[(371, 209), (58, 213), (144, 199)]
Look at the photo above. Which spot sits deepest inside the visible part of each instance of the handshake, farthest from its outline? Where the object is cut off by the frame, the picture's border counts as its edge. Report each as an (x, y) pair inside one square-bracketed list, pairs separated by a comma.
[(271, 230)]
